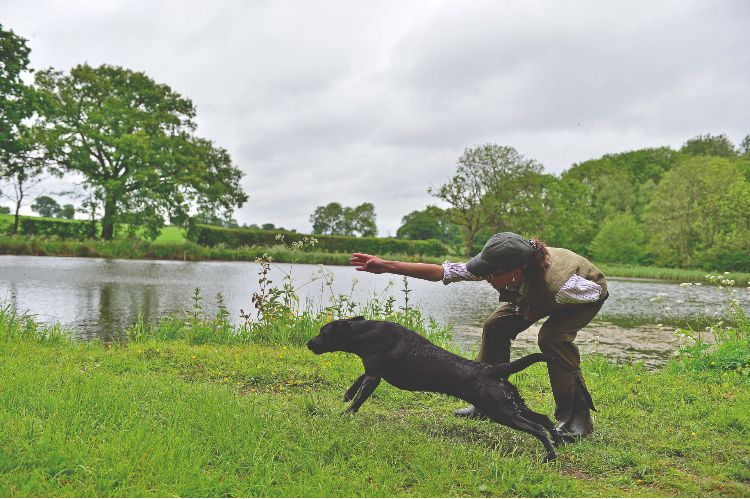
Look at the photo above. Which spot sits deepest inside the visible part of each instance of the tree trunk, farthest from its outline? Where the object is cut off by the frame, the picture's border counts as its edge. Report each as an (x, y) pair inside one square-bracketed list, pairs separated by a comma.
[(470, 243), (108, 220), (17, 218)]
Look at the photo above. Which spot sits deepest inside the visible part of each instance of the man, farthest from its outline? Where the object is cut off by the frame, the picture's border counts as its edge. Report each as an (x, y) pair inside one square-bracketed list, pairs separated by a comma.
[(534, 281)]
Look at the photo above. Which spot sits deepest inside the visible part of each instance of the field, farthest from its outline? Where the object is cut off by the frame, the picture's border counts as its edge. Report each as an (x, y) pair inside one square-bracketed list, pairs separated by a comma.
[(193, 407)]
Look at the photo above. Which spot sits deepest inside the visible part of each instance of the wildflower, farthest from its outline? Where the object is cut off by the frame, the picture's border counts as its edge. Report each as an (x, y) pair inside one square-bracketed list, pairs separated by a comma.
[(139, 351), (692, 433), (193, 357), (686, 284)]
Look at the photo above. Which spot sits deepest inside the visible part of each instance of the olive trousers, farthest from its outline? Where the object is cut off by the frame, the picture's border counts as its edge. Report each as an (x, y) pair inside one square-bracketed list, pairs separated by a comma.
[(555, 341)]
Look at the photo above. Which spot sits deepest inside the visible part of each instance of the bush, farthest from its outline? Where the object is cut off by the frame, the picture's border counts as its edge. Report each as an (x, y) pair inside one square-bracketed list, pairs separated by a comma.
[(620, 240), (67, 229), (235, 238)]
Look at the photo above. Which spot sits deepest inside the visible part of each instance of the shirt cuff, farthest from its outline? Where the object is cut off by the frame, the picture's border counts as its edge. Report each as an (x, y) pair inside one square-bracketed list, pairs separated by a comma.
[(578, 290), (454, 272)]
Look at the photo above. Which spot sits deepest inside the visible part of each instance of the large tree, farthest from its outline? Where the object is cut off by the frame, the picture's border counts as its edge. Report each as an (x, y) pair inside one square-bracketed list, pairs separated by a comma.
[(489, 179), (46, 206), (699, 215), (709, 145), (336, 219), (431, 223), (133, 141), (20, 161)]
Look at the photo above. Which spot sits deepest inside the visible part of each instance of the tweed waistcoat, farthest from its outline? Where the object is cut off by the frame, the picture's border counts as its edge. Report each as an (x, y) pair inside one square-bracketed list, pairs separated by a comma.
[(539, 294)]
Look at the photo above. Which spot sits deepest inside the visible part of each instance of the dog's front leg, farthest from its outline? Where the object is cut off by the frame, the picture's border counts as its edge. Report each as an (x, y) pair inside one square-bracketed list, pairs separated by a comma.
[(369, 383), (352, 391)]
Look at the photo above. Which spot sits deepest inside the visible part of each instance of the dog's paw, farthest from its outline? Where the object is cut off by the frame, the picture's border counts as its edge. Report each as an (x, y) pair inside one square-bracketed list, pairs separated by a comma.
[(549, 457)]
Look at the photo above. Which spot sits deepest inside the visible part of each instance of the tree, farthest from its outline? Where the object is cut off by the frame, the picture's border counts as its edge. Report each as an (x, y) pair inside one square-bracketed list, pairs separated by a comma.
[(709, 145), (46, 206), (68, 211), (133, 141), (4, 210), (360, 220), (20, 162), (620, 240), (335, 219), (483, 188), (430, 223), (699, 210), (744, 148)]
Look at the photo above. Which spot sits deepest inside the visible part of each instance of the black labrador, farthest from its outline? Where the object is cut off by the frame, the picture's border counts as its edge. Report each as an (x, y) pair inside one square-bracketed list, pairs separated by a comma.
[(409, 361)]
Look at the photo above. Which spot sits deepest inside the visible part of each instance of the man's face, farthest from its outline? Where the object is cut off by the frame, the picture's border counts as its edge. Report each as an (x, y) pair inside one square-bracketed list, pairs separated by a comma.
[(502, 280)]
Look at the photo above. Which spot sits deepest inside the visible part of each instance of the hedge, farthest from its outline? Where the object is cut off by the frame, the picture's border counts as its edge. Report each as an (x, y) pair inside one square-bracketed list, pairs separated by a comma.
[(208, 235), (67, 229)]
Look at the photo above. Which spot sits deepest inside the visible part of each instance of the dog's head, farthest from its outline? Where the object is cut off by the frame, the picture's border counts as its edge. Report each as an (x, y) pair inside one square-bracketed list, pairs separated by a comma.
[(336, 336)]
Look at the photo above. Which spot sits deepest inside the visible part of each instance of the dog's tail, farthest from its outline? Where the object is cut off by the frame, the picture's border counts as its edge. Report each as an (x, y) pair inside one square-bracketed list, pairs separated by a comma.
[(505, 370)]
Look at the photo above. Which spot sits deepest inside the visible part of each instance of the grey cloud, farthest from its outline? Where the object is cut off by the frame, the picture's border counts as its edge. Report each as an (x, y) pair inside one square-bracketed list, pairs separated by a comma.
[(375, 101)]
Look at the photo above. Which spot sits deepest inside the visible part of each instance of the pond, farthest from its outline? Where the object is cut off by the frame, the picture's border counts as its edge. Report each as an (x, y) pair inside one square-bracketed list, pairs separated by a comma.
[(98, 298)]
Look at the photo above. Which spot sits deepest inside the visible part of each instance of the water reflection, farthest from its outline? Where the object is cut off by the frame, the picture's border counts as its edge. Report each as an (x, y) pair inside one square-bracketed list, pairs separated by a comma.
[(99, 298)]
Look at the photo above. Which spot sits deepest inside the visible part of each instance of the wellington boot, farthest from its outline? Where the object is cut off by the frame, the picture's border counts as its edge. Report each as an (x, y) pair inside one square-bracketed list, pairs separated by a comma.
[(578, 426)]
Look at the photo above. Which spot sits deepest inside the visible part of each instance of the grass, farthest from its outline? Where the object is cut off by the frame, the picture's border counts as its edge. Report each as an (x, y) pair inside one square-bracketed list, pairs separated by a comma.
[(193, 407), (172, 245)]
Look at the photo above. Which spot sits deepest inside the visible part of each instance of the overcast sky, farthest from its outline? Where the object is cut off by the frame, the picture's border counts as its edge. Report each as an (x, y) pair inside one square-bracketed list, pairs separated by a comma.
[(356, 101)]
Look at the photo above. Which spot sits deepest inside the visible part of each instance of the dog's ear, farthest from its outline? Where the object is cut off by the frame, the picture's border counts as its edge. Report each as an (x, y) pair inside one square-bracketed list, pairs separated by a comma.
[(357, 318)]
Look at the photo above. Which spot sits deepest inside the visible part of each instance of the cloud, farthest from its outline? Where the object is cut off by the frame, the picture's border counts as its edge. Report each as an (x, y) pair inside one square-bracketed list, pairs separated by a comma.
[(355, 102)]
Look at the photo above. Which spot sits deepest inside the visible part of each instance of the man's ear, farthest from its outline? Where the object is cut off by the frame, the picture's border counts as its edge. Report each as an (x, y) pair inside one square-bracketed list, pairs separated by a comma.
[(358, 318)]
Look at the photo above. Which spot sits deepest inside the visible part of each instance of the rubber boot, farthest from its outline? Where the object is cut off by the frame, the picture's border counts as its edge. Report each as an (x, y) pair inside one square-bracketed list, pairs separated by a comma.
[(575, 416), (578, 426)]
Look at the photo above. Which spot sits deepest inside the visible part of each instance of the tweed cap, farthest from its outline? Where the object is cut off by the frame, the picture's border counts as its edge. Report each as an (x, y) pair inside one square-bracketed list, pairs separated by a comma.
[(503, 252)]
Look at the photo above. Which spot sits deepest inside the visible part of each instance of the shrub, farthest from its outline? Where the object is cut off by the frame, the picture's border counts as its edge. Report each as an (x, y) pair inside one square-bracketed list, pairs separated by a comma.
[(235, 238), (620, 240), (68, 229)]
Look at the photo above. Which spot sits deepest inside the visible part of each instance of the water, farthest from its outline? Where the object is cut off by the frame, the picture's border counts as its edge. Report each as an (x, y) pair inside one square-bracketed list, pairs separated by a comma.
[(99, 298)]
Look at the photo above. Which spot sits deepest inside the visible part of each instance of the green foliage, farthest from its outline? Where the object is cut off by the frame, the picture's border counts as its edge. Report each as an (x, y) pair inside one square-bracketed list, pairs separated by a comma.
[(725, 344), (620, 240), (4, 210), (67, 229), (488, 179), (698, 216), (709, 145), (430, 223), (68, 211), (621, 183), (236, 238), (16, 102), (568, 221), (46, 206), (334, 219), (133, 141)]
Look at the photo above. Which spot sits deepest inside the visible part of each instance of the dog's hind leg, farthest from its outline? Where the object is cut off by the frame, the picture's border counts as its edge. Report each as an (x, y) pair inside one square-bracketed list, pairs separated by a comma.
[(352, 391), (518, 422), (369, 383)]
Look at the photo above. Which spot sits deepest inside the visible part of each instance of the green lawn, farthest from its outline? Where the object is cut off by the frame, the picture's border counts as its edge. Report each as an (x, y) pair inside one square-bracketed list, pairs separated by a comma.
[(171, 418)]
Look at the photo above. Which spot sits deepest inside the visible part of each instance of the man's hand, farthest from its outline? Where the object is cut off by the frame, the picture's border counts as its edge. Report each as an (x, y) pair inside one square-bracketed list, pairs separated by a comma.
[(368, 263)]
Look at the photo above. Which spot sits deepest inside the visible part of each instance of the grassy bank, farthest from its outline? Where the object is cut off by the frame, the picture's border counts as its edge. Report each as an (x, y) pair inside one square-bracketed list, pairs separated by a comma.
[(193, 407), (170, 247)]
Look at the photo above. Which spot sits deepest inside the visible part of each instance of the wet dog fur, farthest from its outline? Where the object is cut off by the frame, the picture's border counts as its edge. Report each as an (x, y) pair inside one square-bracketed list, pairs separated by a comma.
[(408, 361)]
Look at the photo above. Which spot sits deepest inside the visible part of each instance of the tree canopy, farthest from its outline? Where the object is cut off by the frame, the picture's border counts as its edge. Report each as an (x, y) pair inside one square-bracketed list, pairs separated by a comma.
[(481, 193), (133, 141), (46, 206), (335, 219), (20, 163), (430, 223)]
